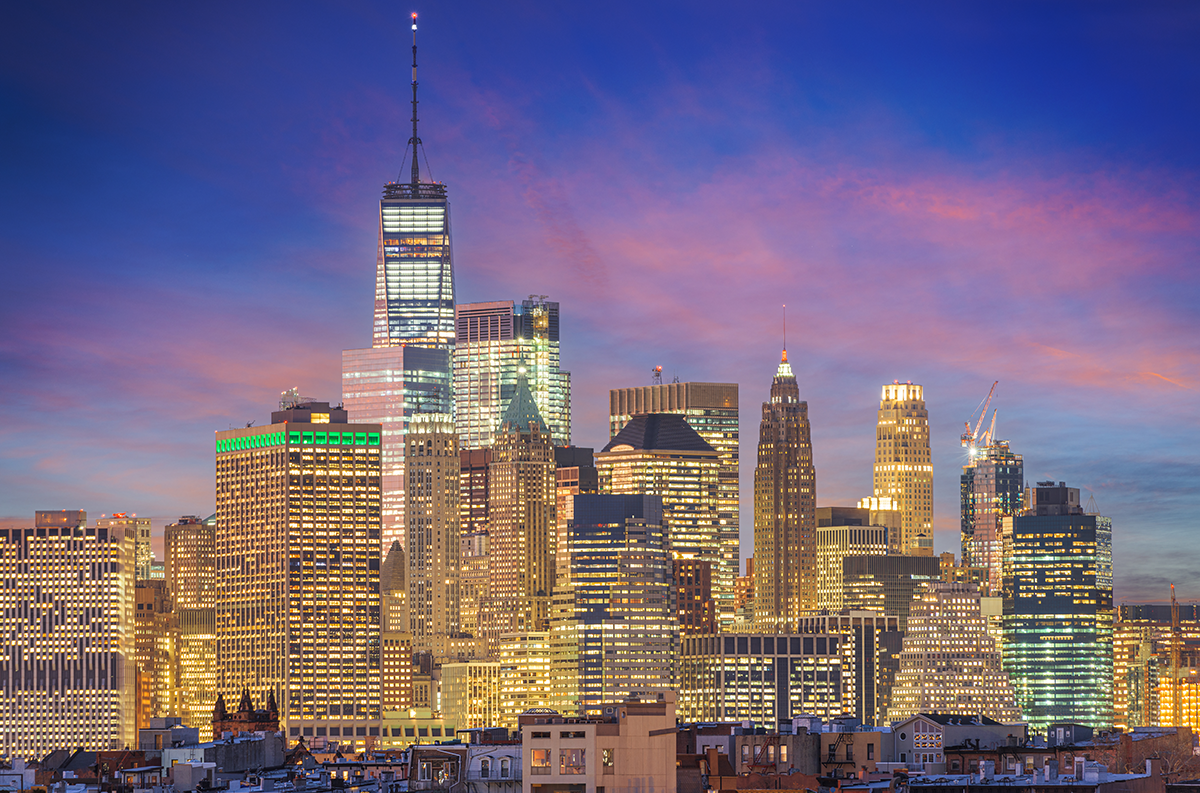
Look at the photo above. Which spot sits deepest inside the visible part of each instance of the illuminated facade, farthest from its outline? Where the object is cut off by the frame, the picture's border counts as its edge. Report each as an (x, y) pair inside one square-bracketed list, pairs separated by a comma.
[(155, 644), (887, 584), (524, 675), (471, 694), (870, 643), (67, 670), (842, 532), (903, 466), (992, 487), (949, 663), (711, 409), (474, 548), (1058, 610), (388, 386), (614, 630), (431, 521), (696, 608), (764, 679), (521, 488), (1143, 692), (659, 454), (298, 556), (494, 343), (785, 505), (191, 575), (141, 529)]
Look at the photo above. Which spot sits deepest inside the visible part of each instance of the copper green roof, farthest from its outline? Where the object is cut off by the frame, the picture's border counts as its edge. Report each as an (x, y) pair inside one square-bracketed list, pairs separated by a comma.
[(522, 410)]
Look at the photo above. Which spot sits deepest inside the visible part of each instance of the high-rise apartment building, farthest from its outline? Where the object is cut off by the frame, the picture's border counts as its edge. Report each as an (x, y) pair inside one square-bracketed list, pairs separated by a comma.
[(992, 487), (1058, 610), (67, 671), (471, 694), (614, 632), (950, 664), (495, 343), (141, 529), (432, 520), (388, 386), (903, 465), (842, 532), (521, 487), (711, 409), (785, 503), (190, 547), (524, 675), (155, 647), (659, 454), (298, 556)]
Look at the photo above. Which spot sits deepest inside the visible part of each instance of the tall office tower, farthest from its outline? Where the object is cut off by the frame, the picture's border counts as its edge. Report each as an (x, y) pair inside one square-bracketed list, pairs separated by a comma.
[(949, 663), (991, 487), (903, 471), (575, 472), (395, 640), (1156, 666), (155, 652), (785, 504), (141, 528), (744, 595), (431, 517), (473, 538), (524, 675), (67, 670), (884, 513), (1058, 610), (387, 386), (843, 532), (614, 631), (696, 609), (407, 370), (494, 343), (521, 541), (393, 591), (191, 578), (471, 694), (660, 454), (711, 409), (888, 584), (298, 524)]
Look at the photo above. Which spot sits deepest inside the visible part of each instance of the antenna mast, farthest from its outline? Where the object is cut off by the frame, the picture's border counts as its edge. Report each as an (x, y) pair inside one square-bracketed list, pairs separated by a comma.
[(414, 141)]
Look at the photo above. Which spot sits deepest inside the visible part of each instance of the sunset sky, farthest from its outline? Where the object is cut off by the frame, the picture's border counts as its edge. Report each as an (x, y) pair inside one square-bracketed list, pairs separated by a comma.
[(945, 193)]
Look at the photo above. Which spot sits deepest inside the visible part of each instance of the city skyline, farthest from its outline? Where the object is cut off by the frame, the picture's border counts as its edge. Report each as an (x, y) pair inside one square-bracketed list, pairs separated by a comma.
[(1039, 241)]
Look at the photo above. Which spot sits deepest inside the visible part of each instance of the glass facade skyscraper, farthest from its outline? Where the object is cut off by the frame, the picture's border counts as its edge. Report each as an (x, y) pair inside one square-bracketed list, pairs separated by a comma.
[(991, 487), (1058, 610), (495, 342)]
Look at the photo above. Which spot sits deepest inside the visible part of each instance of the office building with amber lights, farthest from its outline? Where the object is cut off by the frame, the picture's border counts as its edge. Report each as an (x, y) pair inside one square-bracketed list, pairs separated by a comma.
[(659, 454), (785, 503), (743, 595), (842, 532), (431, 512), (191, 579), (67, 620), (887, 584), (473, 537), (141, 530), (521, 487), (1058, 610), (614, 631), (903, 465), (298, 555), (1150, 652), (949, 663), (711, 409), (524, 675), (991, 487), (155, 649), (495, 343), (696, 609), (471, 694)]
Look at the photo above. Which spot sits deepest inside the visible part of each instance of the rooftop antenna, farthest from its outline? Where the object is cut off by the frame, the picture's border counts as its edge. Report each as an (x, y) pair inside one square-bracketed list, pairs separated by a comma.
[(785, 332), (414, 141)]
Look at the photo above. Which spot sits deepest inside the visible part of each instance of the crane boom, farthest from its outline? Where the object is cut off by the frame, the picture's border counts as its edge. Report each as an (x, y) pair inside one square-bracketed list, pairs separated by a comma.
[(970, 436)]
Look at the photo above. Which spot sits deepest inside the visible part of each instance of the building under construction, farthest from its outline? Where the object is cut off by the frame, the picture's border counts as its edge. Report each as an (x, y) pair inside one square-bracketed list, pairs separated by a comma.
[(1156, 666)]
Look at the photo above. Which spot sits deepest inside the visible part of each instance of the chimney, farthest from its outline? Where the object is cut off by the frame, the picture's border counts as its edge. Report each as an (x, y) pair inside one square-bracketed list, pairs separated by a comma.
[(710, 754)]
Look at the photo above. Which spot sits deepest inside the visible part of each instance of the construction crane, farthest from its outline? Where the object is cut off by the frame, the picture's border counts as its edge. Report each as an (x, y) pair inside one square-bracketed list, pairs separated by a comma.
[(989, 436), (970, 436)]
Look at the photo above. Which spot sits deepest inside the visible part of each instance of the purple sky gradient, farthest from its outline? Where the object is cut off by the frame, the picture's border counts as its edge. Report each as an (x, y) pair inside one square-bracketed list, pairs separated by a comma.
[(941, 194)]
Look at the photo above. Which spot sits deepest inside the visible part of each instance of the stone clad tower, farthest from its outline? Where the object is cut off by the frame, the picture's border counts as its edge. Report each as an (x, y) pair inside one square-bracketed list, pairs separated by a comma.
[(785, 503)]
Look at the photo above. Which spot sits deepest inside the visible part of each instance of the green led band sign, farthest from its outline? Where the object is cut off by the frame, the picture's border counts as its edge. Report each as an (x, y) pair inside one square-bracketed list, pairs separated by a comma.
[(268, 440)]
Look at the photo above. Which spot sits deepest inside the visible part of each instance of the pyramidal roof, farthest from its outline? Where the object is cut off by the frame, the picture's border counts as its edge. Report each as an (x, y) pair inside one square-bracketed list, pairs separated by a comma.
[(668, 431), (521, 410)]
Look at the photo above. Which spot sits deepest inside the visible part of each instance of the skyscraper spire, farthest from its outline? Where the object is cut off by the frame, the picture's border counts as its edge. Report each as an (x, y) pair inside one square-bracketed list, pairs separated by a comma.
[(414, 141), (785, 332)]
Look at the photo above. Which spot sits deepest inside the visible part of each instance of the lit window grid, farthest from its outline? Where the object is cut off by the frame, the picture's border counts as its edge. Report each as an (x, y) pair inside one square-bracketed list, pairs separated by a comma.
[(903, 469)]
